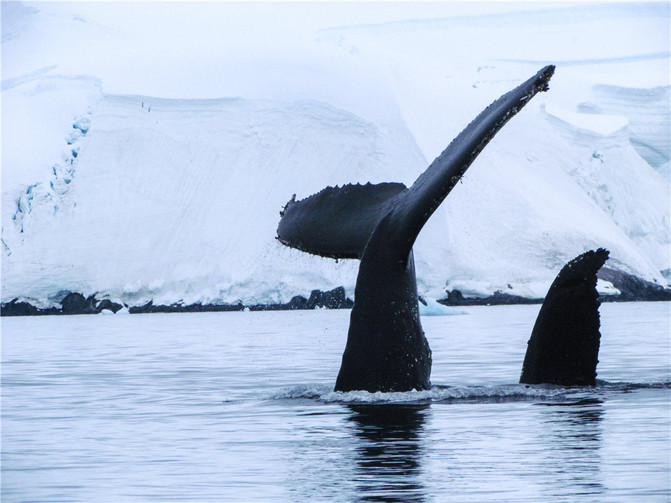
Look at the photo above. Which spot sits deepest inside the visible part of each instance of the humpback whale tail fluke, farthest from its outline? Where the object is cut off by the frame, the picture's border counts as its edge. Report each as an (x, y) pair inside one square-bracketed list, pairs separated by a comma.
[(564, 344), (337, 222), (378, 224)]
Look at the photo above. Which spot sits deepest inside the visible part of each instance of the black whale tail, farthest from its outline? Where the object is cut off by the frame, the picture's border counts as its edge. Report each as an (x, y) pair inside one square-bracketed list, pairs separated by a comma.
[(564, 344), (337, 222)]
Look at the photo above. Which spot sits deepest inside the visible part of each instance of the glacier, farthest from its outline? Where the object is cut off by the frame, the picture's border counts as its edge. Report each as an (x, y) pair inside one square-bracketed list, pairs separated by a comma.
[(146, 157)]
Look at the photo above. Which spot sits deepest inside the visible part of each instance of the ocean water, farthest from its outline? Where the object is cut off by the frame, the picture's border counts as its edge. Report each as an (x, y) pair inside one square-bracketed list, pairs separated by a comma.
[(240, 407)]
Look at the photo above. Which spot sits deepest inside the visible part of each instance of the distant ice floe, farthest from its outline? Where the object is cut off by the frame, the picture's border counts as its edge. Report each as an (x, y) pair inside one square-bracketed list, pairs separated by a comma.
[(606, 288), (431, 307)]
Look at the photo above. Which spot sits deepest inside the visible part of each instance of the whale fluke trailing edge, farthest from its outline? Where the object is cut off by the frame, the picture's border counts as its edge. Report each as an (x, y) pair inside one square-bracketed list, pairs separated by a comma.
[(564, 344), (386, 348)]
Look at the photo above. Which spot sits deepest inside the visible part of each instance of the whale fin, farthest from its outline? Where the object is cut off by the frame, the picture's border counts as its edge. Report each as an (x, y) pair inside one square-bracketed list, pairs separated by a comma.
[(564, 344), (337, 221), (433, 186)]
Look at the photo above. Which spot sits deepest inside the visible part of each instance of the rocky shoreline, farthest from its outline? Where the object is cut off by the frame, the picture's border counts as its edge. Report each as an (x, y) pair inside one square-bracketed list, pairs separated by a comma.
[(76, 303), (631, 289)]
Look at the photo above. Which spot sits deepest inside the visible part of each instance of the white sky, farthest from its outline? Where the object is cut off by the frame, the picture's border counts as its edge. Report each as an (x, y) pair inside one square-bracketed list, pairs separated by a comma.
[(204, 49)]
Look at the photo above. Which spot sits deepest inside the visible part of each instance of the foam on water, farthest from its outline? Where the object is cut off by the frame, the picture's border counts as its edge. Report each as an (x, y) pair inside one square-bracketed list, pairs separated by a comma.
[(479, 394)]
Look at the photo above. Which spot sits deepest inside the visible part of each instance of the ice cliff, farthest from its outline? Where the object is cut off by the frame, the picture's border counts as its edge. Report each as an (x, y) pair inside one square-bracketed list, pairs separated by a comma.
[(130, 187)]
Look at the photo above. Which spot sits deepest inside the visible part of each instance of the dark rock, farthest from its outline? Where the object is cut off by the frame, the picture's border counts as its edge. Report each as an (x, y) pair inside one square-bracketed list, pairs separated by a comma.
[(631, 287), (456, 298), (206, 308), (14, 308), (297, 302), (76, 303), (149, 307), (109, 305), (333, 299)]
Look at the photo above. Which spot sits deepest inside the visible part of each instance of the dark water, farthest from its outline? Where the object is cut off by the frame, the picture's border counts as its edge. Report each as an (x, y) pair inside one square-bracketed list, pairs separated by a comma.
[(239, 407)]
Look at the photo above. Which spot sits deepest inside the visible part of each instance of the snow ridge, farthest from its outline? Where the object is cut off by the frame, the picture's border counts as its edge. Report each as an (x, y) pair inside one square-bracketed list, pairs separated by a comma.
[(649, 121)]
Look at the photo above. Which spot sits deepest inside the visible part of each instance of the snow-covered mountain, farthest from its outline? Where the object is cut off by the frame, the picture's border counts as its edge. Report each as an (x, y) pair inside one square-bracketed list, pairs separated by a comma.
[(147, 149)]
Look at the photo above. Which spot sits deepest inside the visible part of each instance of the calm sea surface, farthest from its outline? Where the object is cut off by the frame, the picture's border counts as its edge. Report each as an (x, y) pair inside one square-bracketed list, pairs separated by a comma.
[(240, 407)]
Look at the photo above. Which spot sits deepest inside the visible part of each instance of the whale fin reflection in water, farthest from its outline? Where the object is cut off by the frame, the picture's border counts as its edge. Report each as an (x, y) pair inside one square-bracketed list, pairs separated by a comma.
[(386, 347), (564, 344)]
